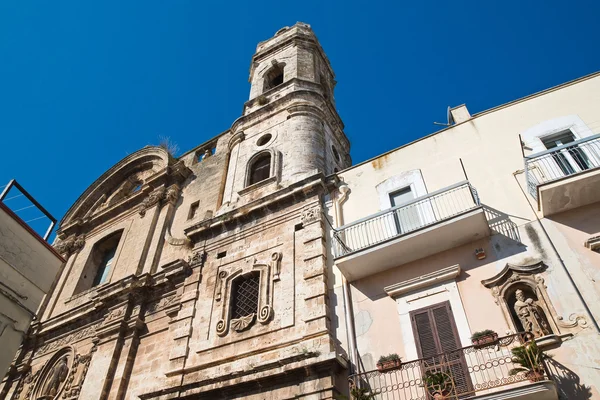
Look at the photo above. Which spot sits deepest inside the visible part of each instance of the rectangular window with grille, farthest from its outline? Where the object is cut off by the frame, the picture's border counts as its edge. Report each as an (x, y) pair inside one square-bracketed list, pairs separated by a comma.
[(245, 292)]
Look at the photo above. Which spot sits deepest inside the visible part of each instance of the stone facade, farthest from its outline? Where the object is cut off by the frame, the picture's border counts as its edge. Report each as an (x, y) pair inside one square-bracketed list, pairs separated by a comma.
[(185, 231)]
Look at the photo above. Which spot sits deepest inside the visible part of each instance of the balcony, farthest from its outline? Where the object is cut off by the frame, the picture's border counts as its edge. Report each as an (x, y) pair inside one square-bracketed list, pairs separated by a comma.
[(565, 177), (424, 226), (474, 372)]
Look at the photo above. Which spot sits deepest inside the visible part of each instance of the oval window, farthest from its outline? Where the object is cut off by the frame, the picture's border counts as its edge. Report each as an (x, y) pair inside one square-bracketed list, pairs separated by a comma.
[(264, 139)]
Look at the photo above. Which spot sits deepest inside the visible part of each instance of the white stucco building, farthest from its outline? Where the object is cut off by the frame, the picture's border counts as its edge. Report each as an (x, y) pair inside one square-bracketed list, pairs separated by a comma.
[(432, 241), (29, 267)]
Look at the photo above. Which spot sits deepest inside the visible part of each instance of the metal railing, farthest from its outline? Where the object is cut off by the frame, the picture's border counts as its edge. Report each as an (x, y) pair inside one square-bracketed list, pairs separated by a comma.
[(27, 209), (562, 161), (405, 218), (467, 372)]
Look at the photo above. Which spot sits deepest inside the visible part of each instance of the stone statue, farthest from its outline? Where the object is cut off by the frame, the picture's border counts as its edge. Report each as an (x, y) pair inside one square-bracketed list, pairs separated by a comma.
[(57, 376), (531, 316)]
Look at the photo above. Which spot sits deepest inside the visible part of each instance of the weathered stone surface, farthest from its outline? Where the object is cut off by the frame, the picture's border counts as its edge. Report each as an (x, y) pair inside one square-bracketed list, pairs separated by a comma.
[(160, 325)]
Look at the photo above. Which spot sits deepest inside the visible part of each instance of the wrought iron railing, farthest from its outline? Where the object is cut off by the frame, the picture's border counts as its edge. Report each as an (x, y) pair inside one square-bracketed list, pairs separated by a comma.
[(405, 218), (469, 371), (562, 161)]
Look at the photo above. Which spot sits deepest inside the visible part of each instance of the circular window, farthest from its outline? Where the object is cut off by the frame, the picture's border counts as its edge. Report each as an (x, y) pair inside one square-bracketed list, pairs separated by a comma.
[(264, 139), (335, 153)]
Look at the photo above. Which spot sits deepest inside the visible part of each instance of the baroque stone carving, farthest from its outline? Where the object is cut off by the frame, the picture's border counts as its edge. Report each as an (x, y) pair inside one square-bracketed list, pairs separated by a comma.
[(197, 258), (153, 198), (242, 323), (71, 245), (58, 374), (574, 320), (162, 303), (310, 215), (531, 315), (81, 334), (53, 376), (521, 292), (159, 195), (269, 273)]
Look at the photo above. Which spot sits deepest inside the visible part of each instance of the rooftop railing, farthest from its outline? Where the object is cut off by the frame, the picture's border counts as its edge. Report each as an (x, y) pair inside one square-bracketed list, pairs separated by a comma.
[(405, 218), (562, 161), (463, 373), (27, 210)]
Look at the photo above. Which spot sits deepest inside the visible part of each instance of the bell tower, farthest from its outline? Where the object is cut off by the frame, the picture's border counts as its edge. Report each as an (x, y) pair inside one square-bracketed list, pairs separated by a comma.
[(289, 128)]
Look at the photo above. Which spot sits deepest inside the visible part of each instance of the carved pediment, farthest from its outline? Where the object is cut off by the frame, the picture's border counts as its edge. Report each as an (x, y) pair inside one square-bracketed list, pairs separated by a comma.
[(511, 271), (122, 186)]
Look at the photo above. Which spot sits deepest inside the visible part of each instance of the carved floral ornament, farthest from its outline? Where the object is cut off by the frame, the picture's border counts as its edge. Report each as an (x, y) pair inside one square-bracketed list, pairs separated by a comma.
[(158, 196), (70, 245), (269, 273), (521, 292), (310, 215)]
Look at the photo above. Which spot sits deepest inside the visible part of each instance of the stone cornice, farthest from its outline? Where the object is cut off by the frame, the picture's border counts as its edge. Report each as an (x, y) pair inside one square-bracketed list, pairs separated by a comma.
[(442, 275), (132, 286), (313, 184), (307, 88)]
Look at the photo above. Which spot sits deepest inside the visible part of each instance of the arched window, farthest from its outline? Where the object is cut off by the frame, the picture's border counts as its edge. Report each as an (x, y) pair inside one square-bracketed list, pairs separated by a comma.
[(273, 77), (100, 264), (260, 169)]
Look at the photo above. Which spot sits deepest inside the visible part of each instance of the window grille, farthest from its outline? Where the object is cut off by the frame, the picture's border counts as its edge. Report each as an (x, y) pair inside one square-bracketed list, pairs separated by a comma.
[(245, 296)]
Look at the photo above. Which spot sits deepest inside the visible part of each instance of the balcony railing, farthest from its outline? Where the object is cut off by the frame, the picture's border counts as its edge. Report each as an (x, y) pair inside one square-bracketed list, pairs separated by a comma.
[(562, 161), (405, 218), (468, 372)]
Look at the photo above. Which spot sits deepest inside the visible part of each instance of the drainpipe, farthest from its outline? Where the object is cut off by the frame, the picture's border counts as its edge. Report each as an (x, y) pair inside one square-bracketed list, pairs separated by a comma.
[(344, 190)]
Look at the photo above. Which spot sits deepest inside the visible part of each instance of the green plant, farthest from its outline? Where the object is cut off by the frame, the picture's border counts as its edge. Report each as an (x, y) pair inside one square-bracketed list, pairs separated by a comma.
[(439, 379), (262, 100), (480, 334), (528, 358), (358, 394), (388, 358)]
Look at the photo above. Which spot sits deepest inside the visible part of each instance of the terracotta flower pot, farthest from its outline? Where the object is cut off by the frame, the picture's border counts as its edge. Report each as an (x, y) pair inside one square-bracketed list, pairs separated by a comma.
[(440, 395), (485, 340), (389, 365)]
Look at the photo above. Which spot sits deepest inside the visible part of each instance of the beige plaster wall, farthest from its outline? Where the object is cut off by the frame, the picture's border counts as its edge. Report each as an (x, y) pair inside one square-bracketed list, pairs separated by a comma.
[(488, 145)]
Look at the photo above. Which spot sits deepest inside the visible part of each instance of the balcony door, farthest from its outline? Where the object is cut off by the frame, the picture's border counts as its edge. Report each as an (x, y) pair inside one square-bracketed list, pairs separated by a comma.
[(571, 159), (438, 344), (407, 218)]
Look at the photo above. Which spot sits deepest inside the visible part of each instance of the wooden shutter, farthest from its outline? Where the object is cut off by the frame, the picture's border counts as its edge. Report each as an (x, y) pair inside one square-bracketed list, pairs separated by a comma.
[(437, 340)]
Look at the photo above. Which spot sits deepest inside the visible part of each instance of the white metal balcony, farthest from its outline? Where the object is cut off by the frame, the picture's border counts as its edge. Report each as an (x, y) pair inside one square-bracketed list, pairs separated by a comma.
[(565, 177), (424, 226)]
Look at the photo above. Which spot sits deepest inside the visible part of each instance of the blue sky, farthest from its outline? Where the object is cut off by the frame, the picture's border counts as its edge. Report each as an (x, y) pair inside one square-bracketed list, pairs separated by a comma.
[(83, 84)]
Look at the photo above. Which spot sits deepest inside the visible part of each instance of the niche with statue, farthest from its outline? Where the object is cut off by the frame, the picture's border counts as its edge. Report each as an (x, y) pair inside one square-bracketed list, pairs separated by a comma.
[(520, 291)]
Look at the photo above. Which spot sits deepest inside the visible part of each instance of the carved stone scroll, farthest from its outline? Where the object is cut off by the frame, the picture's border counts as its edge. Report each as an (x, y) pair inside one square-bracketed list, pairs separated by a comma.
[(269, 273)]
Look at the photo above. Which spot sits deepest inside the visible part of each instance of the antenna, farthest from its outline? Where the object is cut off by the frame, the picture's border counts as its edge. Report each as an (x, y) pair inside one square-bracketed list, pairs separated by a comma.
[(449, 117)]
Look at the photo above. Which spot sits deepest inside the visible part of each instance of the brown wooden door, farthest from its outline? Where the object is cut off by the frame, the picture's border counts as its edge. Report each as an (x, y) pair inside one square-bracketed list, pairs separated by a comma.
[(438, 343)]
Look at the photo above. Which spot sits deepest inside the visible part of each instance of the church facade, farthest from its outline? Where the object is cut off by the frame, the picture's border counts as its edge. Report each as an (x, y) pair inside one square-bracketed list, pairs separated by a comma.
[(204, 276)]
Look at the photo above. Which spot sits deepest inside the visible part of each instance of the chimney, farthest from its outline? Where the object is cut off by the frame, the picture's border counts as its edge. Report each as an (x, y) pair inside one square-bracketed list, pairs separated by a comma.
[(459, 114)]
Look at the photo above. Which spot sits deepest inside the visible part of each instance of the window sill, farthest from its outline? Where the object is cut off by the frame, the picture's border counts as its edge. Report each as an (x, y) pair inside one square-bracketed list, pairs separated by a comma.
[(257, 185)]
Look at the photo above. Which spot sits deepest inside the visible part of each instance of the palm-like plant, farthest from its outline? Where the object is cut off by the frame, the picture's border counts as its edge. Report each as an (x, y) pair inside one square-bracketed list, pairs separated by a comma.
[(529, 360)]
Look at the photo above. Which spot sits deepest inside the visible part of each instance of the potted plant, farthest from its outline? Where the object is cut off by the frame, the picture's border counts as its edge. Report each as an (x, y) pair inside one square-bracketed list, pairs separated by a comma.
[(529, 360), (483, 338), (391, 361), (438, 384)]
